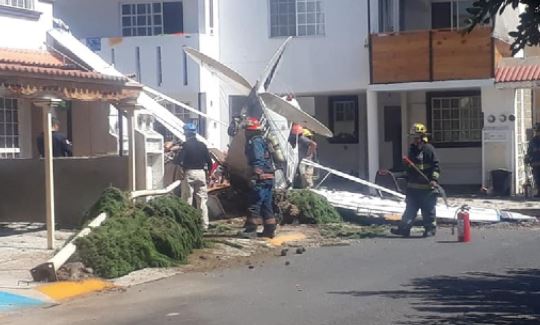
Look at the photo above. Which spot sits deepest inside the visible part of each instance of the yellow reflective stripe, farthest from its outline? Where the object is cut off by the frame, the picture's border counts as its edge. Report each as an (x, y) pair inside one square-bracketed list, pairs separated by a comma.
[(435, 175), (419, 186)]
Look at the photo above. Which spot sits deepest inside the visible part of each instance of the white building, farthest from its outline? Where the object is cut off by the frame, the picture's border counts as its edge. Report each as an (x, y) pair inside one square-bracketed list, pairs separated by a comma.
[(367, 69)]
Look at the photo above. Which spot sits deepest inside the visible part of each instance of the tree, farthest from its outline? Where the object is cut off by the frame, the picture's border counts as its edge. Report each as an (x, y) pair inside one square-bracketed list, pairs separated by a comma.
[(528, 29)]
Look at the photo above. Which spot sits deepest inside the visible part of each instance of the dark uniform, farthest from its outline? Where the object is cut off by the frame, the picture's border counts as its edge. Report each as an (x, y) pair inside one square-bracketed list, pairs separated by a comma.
[(194, 155), (420, 194), (533, 159), (260, 195), (61, 147)]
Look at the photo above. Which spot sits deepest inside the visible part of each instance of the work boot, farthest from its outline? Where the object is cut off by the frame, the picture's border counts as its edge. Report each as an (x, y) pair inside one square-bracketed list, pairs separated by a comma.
[(269, 231), (429, 232), (249, 232), (401, 232)]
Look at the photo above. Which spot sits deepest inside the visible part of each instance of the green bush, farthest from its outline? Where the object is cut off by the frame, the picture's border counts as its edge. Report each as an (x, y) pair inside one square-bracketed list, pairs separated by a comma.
[(160, 233), (313, 208)]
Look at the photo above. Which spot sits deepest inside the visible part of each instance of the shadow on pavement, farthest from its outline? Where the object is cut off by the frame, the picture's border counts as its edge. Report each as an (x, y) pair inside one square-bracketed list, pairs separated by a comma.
[(474, 298)]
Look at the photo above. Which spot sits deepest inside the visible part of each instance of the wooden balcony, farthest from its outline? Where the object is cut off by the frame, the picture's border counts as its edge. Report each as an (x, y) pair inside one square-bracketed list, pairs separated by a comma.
[(434, 55)]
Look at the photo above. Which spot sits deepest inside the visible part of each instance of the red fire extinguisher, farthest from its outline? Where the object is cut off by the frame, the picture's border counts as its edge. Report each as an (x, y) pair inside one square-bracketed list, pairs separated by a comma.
[(464, 224)]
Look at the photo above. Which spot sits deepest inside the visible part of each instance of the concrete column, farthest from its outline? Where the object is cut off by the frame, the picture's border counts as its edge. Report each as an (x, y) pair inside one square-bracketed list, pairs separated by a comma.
[(372, 134), (404, 124), (49, 173), (130, 114)]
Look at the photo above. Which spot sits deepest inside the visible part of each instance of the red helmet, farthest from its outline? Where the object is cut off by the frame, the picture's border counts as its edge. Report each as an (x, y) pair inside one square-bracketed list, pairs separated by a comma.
[(253, 124), (297, 129)]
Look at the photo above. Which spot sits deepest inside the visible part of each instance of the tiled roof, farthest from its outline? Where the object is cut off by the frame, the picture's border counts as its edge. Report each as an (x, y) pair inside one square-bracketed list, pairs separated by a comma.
[(47, 64), (518, 69)]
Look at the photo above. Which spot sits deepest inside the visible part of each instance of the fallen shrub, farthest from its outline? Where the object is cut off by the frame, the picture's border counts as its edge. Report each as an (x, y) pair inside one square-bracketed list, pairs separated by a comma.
[(307, 207), (160, 233)]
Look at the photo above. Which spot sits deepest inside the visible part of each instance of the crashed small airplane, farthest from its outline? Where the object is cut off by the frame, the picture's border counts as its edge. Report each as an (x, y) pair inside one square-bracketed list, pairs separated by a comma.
[(277, 114)]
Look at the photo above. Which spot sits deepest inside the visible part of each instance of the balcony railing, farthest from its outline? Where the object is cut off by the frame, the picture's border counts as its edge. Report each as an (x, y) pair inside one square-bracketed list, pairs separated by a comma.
[(433, 55)]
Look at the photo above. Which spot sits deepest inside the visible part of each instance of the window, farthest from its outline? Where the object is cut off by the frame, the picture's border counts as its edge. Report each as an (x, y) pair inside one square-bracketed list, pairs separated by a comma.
[(9, 128), (296, 18), (26, 4), (456, 119), (147, 19), (450, 14), (344, 119), (183, 114)]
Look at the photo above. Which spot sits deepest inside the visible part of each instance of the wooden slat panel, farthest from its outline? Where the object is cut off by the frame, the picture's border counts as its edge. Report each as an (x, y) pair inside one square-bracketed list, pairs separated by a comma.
[(502, 50), (457, 56), (400, 57)]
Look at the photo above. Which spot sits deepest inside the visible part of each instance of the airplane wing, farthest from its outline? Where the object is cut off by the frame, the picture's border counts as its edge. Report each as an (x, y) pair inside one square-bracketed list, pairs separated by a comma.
[(224, 72), (271, 69), (294, 114)]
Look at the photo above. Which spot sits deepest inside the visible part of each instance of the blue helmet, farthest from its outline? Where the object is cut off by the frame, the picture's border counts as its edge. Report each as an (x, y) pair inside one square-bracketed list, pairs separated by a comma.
[(190, 128)]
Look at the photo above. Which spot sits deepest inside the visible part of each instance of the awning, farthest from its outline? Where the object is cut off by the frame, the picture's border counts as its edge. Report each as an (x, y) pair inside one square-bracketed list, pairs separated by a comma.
[(36, 74), (518, 73)]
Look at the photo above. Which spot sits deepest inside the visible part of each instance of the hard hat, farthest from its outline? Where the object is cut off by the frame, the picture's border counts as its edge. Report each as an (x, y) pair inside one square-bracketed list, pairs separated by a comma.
[(307, 133), (190, 128), (418, 129), (297, 129), (253, 124)]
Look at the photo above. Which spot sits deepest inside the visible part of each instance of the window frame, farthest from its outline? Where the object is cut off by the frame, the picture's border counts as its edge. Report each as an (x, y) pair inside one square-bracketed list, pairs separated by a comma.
[(332, 100), (296, 23), (453, 94)]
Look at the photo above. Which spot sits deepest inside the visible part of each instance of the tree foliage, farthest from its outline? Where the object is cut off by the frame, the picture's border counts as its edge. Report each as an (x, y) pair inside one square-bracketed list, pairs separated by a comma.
[(527, 33)]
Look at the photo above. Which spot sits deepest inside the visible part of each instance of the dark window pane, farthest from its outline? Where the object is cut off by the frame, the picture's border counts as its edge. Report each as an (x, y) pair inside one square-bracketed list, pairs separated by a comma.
[(126, 9), (141, 8), (126, 32), (141, 31), (158, 31), (126, 21), (157, 19), (173, 17), (157, 7), (141, 20)]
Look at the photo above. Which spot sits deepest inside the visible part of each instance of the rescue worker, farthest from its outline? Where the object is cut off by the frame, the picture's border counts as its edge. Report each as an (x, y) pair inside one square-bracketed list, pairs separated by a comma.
[(193, 158), (421, 194), (308, 148), (533, 157), (61, 146), (260, 197)]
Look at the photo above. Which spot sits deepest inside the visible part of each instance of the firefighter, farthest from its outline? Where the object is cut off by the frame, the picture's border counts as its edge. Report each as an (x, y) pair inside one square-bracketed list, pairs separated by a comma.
[(308, 147), (421, 194), (193, 158), (260, 198), (533, 157)]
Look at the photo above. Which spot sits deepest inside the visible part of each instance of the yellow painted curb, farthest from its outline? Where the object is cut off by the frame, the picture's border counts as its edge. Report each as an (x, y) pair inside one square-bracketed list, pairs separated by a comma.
[(70, 289), (288, 237)]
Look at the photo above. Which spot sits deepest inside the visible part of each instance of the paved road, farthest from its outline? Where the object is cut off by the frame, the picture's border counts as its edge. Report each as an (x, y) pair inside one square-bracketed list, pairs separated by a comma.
[(494, 280)]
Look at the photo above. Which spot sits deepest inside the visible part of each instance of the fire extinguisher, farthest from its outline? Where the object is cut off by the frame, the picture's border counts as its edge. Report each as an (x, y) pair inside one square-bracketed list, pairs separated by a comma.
[(464, 224)]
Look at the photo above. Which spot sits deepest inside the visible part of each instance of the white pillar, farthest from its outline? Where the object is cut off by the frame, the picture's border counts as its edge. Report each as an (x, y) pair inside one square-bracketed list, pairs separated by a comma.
[(49, 174), (404, 124), (372, 134), (132, 183)]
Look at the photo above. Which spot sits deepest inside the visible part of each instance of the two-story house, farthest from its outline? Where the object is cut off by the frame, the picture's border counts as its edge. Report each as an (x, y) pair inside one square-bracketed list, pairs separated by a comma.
[(368, 69), (40, 79)]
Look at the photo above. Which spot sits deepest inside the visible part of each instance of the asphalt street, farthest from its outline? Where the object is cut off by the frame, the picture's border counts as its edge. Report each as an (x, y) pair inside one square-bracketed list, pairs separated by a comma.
[(495, 279)]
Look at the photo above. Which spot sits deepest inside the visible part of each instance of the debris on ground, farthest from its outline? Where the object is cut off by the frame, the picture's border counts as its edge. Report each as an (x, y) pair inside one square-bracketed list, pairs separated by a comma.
[(161, 233), (74, 271), (351, 231), (306, 207)]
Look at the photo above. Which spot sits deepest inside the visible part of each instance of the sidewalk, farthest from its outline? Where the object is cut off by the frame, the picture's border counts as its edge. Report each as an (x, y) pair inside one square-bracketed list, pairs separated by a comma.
[(22, 247)]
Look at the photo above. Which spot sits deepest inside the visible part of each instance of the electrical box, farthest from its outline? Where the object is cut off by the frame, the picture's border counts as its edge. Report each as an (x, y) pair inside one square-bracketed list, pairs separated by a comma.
[(148, 153)]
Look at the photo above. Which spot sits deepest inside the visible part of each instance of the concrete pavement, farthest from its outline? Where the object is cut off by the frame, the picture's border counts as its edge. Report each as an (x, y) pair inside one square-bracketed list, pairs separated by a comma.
[(493, 280)]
